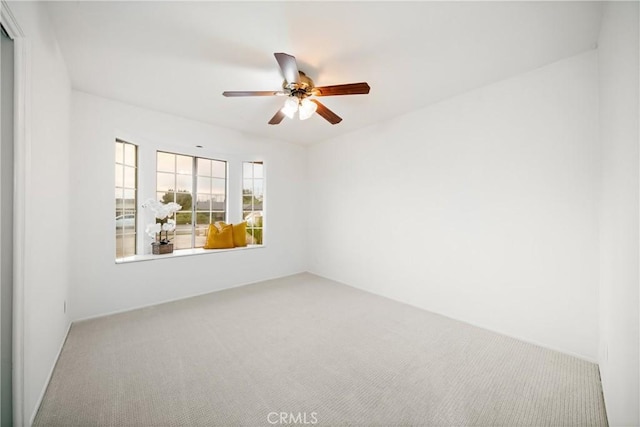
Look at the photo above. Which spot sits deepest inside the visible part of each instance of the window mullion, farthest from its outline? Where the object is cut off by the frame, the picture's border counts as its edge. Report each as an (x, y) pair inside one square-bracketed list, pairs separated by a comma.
[(194, 200)]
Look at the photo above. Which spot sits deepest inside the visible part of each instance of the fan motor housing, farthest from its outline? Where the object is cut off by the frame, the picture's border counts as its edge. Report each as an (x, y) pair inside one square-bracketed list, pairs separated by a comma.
[(300, 89)]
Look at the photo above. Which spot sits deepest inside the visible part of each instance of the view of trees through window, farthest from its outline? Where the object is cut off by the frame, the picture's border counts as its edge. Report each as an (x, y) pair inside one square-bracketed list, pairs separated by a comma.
[(126, 184), (178, 179), (253, 200)]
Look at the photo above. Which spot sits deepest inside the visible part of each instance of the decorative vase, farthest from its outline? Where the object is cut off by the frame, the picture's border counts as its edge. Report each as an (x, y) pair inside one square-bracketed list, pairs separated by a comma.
[(160, 249)]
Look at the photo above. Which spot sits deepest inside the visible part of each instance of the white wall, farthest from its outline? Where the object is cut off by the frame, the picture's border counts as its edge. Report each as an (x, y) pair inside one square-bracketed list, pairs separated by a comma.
[(481, 207), (99, 286), (619, 319), (47, 203)]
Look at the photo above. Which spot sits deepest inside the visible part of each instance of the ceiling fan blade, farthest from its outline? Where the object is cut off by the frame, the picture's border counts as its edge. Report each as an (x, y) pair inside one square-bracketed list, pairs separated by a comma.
[(289, 67), (234, 93), (346, 89), (328, 115), (277, 118)]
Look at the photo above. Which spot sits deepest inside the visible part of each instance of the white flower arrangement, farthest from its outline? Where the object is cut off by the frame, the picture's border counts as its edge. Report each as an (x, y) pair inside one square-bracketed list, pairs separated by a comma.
[(162, 212)]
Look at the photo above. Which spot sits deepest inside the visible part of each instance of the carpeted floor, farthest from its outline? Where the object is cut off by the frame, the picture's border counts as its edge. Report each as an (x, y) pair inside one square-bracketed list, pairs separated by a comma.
[(306, 350)]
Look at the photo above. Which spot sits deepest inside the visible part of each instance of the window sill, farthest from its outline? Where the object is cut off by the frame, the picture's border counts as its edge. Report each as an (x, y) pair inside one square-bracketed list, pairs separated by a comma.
[(181, 253)]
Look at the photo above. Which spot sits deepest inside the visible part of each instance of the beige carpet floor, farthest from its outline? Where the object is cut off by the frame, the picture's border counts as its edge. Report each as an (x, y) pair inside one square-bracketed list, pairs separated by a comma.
[(315, 350)]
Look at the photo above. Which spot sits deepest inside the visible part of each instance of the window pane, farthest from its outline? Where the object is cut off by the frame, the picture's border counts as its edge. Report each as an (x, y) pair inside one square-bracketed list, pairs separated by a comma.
[(253, 218), (257, 236), (184, 183), (204, 202), (185, 164), (203, 218), (204, 167), (166, 162), (247, 202), (125, 245), (129, 177), (129, 154), (257, 170), (119, 195), (257, 188), (247, 170), (251, 238), (218, 186), (119, 176), (201, 235), (256, 220), (204, 184), (129, 201), (218, 203), (119, 152), (125, 222), (182, 235), (129, 245), (182, 239), (165, 181), (219, 169), (184, 200), (247, 186), (218, 216), (183, 218)]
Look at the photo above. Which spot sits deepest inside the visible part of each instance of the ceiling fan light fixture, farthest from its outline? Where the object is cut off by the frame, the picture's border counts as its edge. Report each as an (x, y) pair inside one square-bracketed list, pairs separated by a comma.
[(297, 86), (307, 108), (290, 107)]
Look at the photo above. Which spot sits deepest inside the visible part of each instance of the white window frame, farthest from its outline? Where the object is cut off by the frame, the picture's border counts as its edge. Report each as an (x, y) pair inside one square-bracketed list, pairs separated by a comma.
[(194, 190), (135, 189), (262, 228)]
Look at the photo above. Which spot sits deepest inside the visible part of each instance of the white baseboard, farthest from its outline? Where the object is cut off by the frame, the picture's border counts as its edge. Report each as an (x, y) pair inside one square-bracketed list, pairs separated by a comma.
[(477, 325), (138, 307), (46, 383)]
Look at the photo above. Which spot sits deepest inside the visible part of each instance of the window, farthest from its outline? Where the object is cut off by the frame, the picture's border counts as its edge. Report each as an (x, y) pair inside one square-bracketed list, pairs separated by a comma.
[(253, 200), (211, 202), (126, 186), (178, 179)]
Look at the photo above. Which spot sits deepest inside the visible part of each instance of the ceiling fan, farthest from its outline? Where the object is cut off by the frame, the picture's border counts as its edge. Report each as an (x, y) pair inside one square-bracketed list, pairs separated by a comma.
[(298, 88)]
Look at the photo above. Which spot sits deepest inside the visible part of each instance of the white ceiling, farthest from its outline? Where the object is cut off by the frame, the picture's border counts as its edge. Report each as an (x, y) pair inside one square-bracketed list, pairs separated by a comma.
[(178, 57)]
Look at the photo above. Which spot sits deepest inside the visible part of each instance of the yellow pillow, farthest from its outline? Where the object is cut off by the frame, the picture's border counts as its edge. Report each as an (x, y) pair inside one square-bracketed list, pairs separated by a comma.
[(219, 239), (240, 234)]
